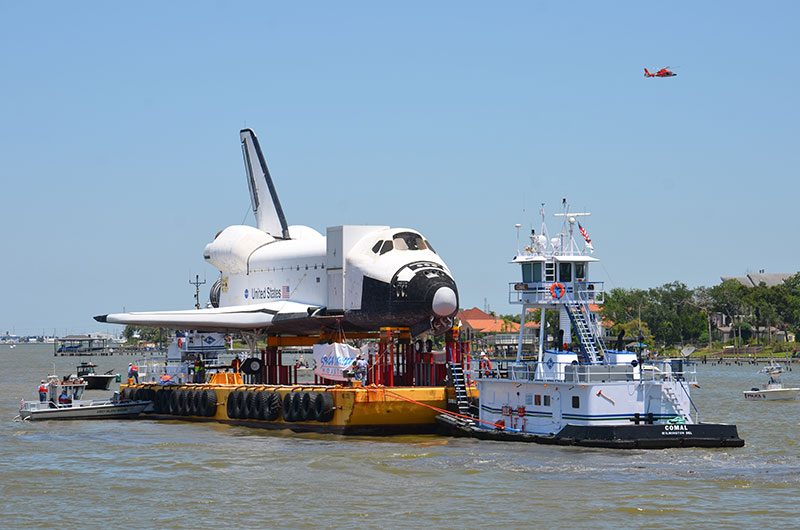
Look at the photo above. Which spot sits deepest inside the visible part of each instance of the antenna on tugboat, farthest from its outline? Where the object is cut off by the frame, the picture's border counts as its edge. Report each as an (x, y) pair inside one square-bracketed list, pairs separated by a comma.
[(197, 283), (517, 226)]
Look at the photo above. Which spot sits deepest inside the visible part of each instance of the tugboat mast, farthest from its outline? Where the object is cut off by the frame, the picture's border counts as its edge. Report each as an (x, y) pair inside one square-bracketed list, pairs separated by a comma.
[(555, 276)]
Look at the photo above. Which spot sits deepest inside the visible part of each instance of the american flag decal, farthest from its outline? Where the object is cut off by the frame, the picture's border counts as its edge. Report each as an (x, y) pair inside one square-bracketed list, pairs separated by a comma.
[(583, 233), (285, 291)]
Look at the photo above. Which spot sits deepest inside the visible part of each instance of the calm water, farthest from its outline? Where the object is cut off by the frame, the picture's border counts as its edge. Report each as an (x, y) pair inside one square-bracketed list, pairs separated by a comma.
[(169, 474)]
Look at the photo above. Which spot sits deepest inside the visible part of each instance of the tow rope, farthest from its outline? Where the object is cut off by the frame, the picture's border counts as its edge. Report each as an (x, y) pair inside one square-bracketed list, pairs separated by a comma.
[(450, 413)]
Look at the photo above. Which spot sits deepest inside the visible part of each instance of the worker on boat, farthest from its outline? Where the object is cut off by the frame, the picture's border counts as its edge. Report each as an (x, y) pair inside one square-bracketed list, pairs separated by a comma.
[(63, 399), (166, 379), (133, 372), (235, 364), (485, 365), (43, 391), (360, 365)]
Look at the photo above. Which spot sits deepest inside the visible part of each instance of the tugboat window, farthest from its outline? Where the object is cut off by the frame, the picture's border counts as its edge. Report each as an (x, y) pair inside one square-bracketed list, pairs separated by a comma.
[(546, 400), (538, 399), (580, 271), (576, 402), (537, 272), (565, 272), (527, 272)]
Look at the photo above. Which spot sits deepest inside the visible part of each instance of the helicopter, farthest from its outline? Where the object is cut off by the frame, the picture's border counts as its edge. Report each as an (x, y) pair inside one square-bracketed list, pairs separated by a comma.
[(664, 72)]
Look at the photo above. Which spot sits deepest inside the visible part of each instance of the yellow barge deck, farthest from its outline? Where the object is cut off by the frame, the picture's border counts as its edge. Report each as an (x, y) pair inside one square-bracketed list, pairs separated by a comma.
[(372, 410)]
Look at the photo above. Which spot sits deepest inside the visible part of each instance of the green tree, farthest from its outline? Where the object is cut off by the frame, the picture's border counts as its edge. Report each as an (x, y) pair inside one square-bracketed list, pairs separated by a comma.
[(672, 315), (146, 333), (702, 299), (762, 312), (728, 299), (785, 299), (623, 305)]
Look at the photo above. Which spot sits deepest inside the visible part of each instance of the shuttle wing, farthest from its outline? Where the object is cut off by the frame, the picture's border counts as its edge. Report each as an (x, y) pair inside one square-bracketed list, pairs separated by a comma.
[(266, 206), (223, 319)]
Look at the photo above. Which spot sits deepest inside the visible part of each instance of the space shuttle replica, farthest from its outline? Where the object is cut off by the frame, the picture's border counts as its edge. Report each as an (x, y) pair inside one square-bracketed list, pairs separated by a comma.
[(281, 279)]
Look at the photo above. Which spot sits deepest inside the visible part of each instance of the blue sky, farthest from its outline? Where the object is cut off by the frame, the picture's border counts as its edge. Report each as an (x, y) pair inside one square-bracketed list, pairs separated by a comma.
[(120, 157)]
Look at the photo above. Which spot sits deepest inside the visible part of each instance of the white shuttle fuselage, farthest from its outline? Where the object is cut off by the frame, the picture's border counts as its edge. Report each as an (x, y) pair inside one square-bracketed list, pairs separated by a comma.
[(291, 279)]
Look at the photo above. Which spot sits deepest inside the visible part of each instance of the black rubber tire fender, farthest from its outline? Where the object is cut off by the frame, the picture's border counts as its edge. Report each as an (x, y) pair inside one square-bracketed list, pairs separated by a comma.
[(297, 406), (252, 406), (173, 403), (193, 403), (158, 398), (244, 406), (324, 407), (262, 405), (166, 407), (183, 401), (274, 408), (186, 407), (208, 403), (232, 406), (309, 411), (288, 407), (179, 402)]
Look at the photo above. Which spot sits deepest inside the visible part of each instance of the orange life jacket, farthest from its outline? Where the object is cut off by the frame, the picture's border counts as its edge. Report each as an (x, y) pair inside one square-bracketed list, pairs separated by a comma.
[(42, 388)]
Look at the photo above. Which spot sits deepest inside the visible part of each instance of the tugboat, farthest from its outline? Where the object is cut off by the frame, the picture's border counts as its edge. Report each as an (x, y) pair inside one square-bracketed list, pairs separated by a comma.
[(582, 392)]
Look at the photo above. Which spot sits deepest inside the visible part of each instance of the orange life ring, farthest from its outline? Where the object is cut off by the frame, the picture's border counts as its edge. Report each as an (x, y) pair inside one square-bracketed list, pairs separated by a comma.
[(180, 342), (560, 288)]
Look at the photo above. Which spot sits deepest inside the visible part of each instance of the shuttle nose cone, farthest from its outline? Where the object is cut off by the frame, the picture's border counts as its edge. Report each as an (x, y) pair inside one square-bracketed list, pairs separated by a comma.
[(445, 302)]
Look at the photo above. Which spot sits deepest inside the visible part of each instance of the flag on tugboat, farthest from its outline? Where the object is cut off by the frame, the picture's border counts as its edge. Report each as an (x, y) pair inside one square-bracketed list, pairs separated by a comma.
[(583, 233)]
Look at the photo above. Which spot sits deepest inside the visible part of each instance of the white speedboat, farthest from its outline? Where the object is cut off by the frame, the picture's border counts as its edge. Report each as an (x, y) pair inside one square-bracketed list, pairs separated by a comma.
[(63, 402), (774, 389)]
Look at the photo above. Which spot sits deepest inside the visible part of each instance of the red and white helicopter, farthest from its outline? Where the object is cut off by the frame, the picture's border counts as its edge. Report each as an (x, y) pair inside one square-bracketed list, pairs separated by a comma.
[(664, 72)]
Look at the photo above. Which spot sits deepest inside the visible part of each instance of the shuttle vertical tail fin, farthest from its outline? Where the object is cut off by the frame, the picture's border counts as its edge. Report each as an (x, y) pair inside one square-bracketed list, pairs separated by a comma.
[(266, 206)]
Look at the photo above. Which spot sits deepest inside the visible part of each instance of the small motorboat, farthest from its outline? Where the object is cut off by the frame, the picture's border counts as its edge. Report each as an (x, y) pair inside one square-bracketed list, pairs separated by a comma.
[(774, 389), (63, 402), (95, 381)]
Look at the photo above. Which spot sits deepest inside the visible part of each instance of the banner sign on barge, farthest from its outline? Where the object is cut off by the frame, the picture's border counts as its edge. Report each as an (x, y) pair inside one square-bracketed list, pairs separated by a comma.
[(332, 359)]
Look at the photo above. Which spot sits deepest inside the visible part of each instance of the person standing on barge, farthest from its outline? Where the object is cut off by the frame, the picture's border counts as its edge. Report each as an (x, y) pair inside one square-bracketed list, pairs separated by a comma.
[(361, 369), (133, 372)]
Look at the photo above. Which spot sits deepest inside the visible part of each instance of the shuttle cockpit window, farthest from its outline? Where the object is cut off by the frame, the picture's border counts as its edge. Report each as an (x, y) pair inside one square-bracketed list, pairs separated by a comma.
[(387, 246), (409, 241), (377, 247), (428, 244)]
